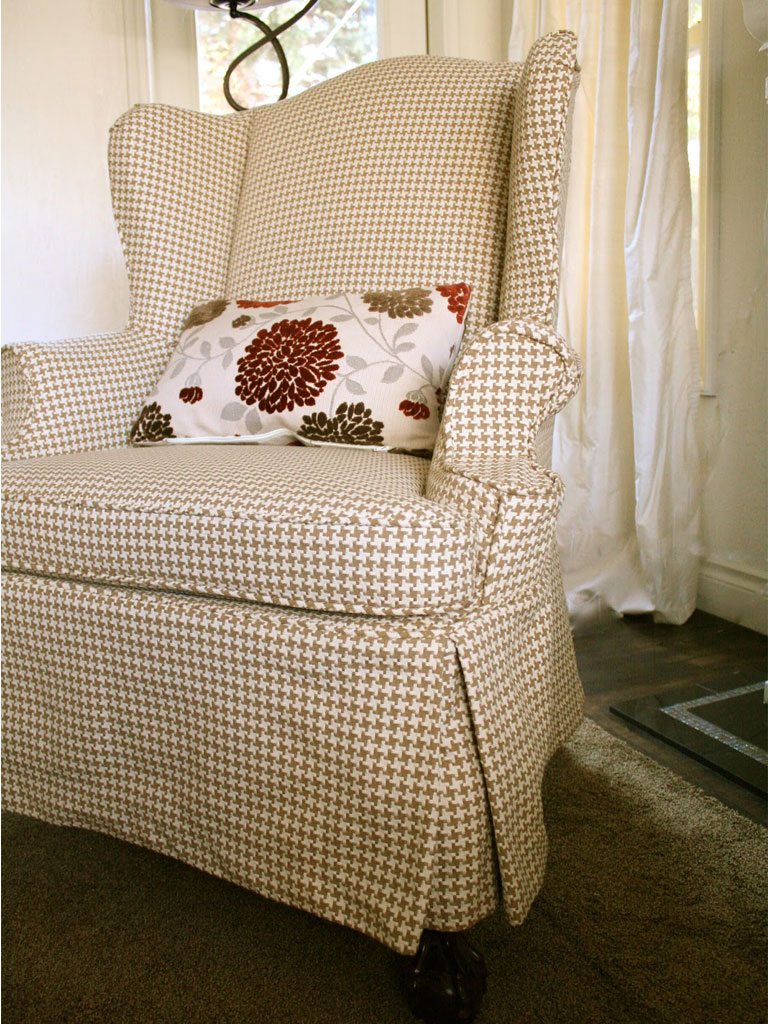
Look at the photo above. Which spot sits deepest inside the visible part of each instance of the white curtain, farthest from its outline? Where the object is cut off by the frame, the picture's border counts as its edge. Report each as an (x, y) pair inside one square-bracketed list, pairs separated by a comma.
[(626, 446)]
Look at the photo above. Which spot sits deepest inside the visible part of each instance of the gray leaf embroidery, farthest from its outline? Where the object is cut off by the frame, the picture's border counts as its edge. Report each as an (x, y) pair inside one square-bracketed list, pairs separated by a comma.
[(253, 422), (392, 373), (233, 412), (408, 328), (177, 368)]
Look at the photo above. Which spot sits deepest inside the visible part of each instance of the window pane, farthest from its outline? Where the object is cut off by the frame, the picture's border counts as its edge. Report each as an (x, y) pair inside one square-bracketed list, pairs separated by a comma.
[(334, 36)]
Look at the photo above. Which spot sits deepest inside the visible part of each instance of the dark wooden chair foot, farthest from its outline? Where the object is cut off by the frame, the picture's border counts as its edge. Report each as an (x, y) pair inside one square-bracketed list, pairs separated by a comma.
[(445, 981)]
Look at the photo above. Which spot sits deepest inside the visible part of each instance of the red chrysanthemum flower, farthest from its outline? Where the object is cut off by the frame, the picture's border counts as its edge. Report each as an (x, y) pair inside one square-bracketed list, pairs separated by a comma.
[(191, 395), (418, 410), (458, 298), (288, 364)]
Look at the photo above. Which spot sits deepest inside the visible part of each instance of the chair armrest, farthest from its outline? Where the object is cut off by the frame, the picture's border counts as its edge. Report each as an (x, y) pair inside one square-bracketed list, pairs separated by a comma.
[(515, 503), (76, 395), (511, 377)]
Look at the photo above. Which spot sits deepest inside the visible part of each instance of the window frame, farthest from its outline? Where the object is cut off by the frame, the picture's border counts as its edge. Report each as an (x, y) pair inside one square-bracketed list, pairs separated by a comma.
[(707, 35), (171, 42)]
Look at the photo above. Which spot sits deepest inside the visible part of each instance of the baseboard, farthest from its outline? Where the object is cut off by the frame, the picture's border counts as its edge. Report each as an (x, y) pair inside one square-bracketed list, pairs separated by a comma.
[(737, 593)]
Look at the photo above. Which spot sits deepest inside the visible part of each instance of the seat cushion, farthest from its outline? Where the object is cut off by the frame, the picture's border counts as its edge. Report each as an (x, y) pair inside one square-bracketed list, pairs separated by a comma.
[(324, 528)]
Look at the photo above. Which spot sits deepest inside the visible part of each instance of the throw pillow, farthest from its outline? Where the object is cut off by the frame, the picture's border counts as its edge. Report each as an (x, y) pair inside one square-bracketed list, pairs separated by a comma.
[(343, 369)]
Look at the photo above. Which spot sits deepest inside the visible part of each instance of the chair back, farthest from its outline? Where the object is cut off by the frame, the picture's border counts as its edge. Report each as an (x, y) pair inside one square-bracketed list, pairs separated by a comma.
[(406, 172)]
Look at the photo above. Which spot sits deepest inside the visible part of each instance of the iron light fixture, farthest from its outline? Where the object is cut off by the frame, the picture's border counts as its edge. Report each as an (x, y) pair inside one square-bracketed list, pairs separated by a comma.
[(241, 9)]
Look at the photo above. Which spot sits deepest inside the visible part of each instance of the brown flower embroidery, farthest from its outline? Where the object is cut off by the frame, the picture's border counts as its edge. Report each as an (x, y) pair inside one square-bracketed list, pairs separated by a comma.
[(405, 302), (288, 364), (191, 395), (248, 304), (204, 313), (418, 410), (352, 424), (458, 298), (152, 425), (440, 396)]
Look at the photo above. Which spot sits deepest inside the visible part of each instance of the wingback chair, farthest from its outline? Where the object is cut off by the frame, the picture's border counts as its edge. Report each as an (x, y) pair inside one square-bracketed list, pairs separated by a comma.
[(333, 676)]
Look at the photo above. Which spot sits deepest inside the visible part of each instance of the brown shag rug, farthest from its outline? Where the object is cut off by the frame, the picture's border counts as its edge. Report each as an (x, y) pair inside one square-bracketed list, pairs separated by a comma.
[(653, 910)]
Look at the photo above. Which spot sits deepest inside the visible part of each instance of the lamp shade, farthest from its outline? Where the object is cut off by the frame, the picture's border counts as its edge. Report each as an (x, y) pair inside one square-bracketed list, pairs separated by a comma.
[(223, 5)]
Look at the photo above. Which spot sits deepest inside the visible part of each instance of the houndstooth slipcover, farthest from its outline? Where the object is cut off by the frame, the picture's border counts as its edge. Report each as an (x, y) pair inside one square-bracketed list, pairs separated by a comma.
[(333, 676)]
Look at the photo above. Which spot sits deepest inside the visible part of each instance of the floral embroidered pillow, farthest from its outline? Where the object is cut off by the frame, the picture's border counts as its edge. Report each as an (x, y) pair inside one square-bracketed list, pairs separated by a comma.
[(342, 369)]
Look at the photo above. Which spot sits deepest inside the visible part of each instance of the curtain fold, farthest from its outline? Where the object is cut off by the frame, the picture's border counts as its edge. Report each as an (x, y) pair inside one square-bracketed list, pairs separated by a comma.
[(626, 445)]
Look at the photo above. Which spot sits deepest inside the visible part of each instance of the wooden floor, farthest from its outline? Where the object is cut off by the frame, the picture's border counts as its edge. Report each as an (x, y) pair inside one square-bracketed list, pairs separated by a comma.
[(633, 657)]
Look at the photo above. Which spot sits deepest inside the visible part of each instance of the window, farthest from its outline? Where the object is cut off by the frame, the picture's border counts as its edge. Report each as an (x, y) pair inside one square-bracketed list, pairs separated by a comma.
[(704, 22), (330, 38)]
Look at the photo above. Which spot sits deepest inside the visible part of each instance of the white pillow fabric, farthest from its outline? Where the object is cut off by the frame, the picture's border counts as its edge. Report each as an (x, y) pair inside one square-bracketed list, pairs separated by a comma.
[(344, 369)]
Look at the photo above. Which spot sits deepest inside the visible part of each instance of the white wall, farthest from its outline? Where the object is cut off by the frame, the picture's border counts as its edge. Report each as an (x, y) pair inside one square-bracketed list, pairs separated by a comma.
[(64, 80), (734, 424)]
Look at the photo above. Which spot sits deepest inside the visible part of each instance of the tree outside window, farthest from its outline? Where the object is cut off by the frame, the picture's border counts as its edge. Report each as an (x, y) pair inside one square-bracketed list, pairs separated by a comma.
[(334, 36)]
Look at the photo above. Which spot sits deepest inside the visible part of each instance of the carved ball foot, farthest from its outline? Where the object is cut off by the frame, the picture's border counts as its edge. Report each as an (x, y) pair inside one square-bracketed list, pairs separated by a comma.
[(445, 981)]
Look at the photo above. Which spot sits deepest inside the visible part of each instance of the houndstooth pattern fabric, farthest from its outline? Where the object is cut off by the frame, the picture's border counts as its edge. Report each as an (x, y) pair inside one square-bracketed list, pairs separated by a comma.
[(539, 166), (175, 177), (526, 699), (515, 504), (509, 379), (379, 199), (77, 394), (256, 743), (335, 529), (260, 744), (381, 771)]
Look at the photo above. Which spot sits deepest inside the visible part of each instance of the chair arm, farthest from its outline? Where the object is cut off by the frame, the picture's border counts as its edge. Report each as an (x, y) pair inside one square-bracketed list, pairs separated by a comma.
[(510, 378), (515, 503), (78, 394)]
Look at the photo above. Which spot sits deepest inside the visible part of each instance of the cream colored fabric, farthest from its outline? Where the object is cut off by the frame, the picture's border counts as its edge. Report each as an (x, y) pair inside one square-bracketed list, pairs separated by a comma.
[(627, 447), (297, 754), (327, 528), (509, 379), (368, 369), (379, 198), (381, 770), (76, 394), (538, 173), (176, 178), (327, 761), (516, 504)]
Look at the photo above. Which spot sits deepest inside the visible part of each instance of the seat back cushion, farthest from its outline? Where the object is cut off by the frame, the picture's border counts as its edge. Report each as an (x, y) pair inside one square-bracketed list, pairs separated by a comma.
[(393, 175)]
